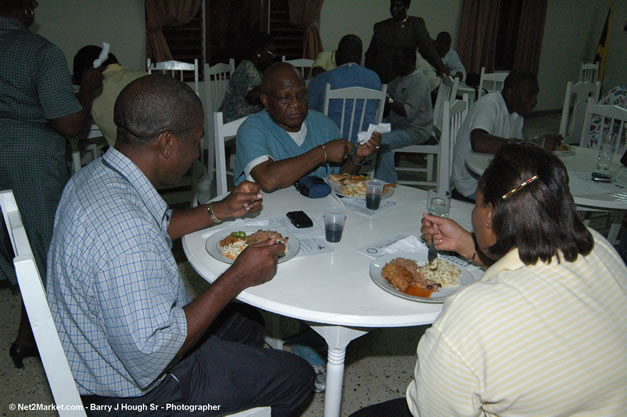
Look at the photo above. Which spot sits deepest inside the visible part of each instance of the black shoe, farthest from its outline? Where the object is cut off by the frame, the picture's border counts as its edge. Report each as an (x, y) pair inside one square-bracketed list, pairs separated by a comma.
[(18, 353)]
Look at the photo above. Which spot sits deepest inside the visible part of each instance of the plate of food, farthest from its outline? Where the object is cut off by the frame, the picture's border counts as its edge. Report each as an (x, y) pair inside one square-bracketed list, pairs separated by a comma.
[(354, 186), (408, 276), (564, 149), (225, 245)]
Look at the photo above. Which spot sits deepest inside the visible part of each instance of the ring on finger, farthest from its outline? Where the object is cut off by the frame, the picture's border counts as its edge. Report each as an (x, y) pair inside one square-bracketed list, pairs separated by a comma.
[(377, 146)]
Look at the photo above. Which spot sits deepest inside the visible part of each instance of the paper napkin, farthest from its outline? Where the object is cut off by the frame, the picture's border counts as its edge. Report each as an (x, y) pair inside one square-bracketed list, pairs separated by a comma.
[(363, 137)]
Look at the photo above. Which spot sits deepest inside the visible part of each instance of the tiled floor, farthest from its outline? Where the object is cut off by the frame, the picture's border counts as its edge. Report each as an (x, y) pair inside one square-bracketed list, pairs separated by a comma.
[(379, 365)]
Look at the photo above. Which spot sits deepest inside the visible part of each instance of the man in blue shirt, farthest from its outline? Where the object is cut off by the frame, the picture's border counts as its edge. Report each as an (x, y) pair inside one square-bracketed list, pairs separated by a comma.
[(347, 74), (132, 334), (286, 141)]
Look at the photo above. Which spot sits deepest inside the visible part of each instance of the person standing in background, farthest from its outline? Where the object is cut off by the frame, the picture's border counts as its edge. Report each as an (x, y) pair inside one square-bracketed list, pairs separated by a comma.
[(38, 109)]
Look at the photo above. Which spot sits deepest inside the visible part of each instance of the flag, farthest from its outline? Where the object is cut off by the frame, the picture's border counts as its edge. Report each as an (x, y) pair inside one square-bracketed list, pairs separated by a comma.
[(601, 53)]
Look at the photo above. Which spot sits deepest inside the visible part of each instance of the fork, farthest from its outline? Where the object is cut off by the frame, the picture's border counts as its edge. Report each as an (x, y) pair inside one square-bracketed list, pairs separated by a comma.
[(432, 255)]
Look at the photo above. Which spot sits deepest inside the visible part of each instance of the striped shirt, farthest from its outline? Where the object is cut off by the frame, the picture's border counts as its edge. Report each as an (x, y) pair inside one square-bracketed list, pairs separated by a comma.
[(529, 340), (114, 288)]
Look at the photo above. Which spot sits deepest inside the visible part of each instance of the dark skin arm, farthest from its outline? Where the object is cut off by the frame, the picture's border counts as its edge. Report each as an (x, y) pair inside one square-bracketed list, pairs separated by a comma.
[(317, 70), (71, 125), (252, 97), (274, 175), (483, 142)]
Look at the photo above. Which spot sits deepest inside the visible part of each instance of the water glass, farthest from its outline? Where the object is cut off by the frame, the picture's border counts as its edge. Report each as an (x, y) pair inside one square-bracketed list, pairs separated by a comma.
[(607, 146), (438, 204), (374, 190), (334, 224)]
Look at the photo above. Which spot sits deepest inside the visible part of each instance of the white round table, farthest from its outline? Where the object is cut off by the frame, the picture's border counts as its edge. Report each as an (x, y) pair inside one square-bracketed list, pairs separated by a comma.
[(333, 292)]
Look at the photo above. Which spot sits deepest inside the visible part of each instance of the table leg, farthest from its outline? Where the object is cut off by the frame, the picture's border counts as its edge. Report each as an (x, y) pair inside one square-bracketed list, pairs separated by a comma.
[(337, 338)]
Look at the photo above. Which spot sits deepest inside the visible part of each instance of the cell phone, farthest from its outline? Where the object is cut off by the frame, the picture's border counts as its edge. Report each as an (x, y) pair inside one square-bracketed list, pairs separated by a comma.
[(299, 219), (598, 177)]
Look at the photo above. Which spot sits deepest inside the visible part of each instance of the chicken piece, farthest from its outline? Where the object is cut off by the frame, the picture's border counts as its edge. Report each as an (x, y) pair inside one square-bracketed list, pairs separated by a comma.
[(397, 275), (263, 235), (229, 239)]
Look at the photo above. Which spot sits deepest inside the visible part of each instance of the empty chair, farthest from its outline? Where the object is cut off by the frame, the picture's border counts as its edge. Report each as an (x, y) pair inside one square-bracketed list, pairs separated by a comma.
[(446, 92), (453, 115), (53, 359), (600, 120), (302, 64), (574, 108), (589, 72), (176, 69), (222, 133), (491, 81)]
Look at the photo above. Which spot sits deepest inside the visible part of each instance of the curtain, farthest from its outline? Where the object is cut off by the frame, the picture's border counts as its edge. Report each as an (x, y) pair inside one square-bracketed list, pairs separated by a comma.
[(477, 37), (160, 13), (530, 32), (303, 14)]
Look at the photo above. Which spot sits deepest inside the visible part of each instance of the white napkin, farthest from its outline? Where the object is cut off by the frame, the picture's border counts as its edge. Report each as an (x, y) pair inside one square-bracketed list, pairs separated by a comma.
[(249, 222), (363, 137), (104, 54), (409, 244)]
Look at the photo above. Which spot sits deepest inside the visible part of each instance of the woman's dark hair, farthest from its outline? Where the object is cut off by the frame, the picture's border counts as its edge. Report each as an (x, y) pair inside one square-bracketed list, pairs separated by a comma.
[(539, 219)]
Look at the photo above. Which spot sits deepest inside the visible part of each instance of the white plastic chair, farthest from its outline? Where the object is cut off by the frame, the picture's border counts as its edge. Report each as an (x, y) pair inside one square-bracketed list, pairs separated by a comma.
[(575, 100), (222, 133), (601, 119), (58, 372), (176, 69), (453, 116), (351, 97), (217, 79), (589, 72), (491, 81), (300, 64)]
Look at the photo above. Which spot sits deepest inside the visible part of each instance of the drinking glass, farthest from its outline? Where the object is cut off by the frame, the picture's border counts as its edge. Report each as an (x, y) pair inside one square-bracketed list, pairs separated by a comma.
[(438, 204), (374, 190), (334, 223), (607, 146)]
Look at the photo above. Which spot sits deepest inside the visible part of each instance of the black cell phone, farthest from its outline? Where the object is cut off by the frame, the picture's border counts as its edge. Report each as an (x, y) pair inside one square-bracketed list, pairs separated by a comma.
[(299, 219), (598, 177)]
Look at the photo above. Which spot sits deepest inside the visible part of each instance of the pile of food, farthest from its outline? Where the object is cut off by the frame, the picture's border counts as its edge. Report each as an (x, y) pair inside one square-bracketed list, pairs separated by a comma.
[(407, 276), (351, 185), (236, 242)]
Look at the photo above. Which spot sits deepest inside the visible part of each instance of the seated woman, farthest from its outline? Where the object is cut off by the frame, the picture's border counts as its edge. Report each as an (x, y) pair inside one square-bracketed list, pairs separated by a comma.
[(242, 94), (543, 332)]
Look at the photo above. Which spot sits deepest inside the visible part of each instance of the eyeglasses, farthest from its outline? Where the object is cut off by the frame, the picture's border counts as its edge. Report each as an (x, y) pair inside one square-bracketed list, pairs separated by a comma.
[(266, 51), (287, 100)]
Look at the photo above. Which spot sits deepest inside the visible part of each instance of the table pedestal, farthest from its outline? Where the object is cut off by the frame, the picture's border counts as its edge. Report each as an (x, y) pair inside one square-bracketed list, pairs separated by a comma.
[(337, 338)]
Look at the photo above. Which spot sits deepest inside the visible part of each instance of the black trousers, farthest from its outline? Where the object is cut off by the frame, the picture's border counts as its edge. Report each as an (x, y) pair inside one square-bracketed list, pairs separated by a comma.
[(229, 371), (392, 408)]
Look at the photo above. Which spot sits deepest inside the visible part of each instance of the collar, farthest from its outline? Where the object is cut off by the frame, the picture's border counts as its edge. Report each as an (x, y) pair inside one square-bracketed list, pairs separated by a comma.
[(11, 23), (113, 68), (511, 261), (158, 208)]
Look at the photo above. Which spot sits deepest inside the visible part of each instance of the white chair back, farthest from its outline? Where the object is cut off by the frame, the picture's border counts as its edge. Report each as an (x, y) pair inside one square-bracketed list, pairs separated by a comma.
[(60, 379), (453, 116), (602, 119), (491, 81), (354, 101), (589, 72), (301, 64), (176, 69), (574, 108), (446, 92), (217, 79), (222, 133)]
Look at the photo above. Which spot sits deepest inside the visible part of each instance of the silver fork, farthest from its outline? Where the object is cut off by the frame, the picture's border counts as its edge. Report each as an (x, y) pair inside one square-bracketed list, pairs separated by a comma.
[(432, 255)]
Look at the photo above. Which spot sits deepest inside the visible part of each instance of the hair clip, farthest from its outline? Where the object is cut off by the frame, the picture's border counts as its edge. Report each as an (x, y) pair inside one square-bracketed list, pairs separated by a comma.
[(524, 184)]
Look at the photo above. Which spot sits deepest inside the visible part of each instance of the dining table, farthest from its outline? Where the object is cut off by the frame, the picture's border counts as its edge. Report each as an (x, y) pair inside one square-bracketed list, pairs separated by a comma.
[(329, 285), (589, 195)]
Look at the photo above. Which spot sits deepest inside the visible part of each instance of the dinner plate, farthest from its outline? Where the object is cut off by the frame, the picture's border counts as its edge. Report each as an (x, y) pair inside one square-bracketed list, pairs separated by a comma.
[(467, 277), (212, 244), (339, 190)]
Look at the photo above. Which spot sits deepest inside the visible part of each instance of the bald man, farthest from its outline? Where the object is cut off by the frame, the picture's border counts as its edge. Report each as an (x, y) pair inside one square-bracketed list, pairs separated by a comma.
[(286, 141), (349, 73), (133, 336)]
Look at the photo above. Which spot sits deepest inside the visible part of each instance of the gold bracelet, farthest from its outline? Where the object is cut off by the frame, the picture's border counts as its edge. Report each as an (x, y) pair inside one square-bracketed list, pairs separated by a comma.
[(212, 215), (325, 153)]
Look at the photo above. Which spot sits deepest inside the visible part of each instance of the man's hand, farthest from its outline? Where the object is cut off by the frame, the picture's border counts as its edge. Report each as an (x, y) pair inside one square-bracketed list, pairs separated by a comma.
[(369, 147), (338, 150), (257, 263), (244, 198)]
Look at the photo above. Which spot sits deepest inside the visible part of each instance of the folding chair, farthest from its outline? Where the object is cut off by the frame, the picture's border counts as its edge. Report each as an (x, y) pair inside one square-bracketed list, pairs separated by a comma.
[(176, 69), (453, 116), (353, 102), (491, 81), (302, 64), (589, 72), (575, 98), (222, 133)]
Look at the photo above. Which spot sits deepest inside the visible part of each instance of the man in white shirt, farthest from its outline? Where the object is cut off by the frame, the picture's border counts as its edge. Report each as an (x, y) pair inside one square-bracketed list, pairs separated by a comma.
[(493, 119), (449, 56)]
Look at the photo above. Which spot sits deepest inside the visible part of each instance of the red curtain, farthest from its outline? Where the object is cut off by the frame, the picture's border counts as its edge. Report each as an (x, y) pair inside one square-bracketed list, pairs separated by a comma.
[(477, 37), (530, 32), (160, 13), (303, 14)]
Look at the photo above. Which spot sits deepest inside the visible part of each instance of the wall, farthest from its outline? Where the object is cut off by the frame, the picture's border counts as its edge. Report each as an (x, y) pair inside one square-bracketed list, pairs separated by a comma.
[(72, 24)]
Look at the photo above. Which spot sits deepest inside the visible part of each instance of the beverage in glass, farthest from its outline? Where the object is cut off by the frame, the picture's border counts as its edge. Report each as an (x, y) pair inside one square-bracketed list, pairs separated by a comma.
[(438, 204), (374, 190), (334, 224), (607, 145)]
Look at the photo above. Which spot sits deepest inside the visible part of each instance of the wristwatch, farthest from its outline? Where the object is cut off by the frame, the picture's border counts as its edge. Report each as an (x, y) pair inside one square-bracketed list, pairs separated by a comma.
[(212, 215), (389, 100)]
